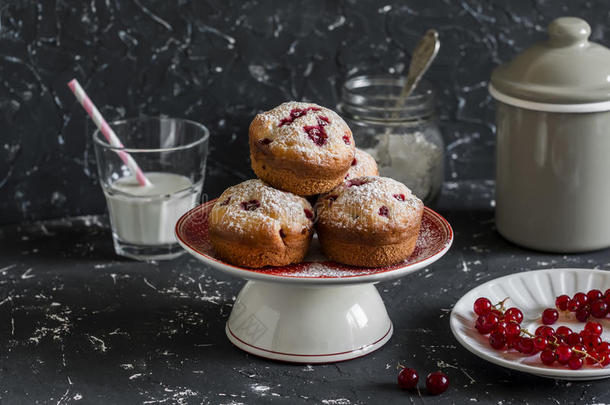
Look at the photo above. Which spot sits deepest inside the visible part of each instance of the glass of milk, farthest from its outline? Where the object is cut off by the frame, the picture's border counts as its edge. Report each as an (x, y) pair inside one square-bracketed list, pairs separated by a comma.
[(172, 153)]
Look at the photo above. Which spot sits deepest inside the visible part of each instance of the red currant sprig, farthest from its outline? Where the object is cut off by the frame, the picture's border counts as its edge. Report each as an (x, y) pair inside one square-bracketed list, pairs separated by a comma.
[(568, 348)]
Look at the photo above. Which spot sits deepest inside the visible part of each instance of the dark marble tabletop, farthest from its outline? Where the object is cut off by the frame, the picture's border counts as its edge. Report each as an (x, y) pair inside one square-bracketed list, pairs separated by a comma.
[(82, 324)]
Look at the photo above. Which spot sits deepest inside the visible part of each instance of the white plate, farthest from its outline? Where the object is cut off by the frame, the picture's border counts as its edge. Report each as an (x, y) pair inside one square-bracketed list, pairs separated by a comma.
[(532, 292)]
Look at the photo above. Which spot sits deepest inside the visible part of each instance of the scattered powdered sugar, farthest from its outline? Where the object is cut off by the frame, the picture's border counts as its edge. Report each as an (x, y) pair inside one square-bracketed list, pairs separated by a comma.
[(328, 270), (236, 210), (412, 159), (293, 136)]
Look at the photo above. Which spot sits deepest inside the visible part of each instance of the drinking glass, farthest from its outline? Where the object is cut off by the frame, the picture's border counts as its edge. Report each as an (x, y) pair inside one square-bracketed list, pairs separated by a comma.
[(172, 153)]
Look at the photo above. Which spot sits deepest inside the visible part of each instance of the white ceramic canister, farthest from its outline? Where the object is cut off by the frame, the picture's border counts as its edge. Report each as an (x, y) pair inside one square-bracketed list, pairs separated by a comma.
[(553, 142)]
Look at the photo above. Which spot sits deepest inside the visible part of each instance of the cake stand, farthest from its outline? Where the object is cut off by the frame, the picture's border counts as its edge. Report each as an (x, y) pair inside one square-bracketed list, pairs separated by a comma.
[(316, 311)]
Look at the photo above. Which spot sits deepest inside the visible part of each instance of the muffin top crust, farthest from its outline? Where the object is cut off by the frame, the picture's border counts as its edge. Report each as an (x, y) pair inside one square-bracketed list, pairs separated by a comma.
[(307, 131), (369, 204), (253, 208)]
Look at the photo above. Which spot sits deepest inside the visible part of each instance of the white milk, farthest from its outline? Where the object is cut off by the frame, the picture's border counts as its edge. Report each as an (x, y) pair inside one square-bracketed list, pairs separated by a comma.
[(147, 215)]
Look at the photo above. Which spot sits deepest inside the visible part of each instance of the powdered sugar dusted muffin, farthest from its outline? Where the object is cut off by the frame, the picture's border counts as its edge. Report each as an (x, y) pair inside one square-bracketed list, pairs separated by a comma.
[(301, 147), (255, 225), (369, 221), (362, 165)]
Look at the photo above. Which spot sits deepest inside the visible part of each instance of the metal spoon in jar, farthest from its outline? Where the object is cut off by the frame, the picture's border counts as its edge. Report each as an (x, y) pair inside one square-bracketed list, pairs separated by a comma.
[(423, 55)]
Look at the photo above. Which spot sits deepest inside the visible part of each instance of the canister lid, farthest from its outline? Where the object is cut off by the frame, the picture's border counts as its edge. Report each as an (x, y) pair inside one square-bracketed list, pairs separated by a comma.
[(565, 69)]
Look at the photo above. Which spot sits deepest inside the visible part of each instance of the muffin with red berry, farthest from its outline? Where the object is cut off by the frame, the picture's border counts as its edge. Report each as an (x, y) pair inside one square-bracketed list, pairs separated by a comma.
[(301, 147), (362, 165), (255, 225), (369, 221)]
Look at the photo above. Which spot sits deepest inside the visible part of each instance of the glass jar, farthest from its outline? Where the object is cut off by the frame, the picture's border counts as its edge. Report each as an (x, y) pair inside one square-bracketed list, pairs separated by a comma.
[(404, 138)]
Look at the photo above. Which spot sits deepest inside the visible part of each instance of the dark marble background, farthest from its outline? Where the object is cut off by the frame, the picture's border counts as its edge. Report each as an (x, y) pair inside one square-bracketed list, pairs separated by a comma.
[(220, 62)]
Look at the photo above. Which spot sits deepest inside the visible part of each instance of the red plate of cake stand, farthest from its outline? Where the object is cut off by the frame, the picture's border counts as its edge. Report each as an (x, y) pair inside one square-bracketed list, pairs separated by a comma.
[(316, 311)]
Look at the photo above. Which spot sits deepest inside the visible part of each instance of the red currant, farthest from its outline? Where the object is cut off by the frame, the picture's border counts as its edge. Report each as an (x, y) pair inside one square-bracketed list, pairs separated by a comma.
[(580, 298), (486, 322), (512, 329), (500, 327), (407, 378), (573, 306), (591, 341), (512, 341), (603, 347), (594, 295), (437, 383), (593, 328), (564, 332), (526, 345), (564, 353), (540, 343), (548, 357), (549, 316), (582, 314), (574, 339), (482, 305), (561, 302), (513, 314), (497, 340), (545, 331), (575, 363), (579, 350), (599, 309)]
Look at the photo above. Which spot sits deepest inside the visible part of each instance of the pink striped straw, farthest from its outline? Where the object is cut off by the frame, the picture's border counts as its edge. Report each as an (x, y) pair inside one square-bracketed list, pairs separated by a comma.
[(105, 129)]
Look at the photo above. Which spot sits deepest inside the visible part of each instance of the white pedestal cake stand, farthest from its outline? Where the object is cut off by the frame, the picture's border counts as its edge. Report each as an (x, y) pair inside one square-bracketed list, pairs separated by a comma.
[(315, 311)]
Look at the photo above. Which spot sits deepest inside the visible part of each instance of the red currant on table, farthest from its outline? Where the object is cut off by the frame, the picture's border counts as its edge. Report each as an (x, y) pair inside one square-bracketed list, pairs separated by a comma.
[(549, 316), (437, 383), (407, 378), (482, 306)]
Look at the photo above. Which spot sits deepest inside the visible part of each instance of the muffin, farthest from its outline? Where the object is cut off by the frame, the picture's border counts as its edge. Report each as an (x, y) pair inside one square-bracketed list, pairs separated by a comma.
[(362, 165), (369, 221), (255, 225), (301, 147)]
